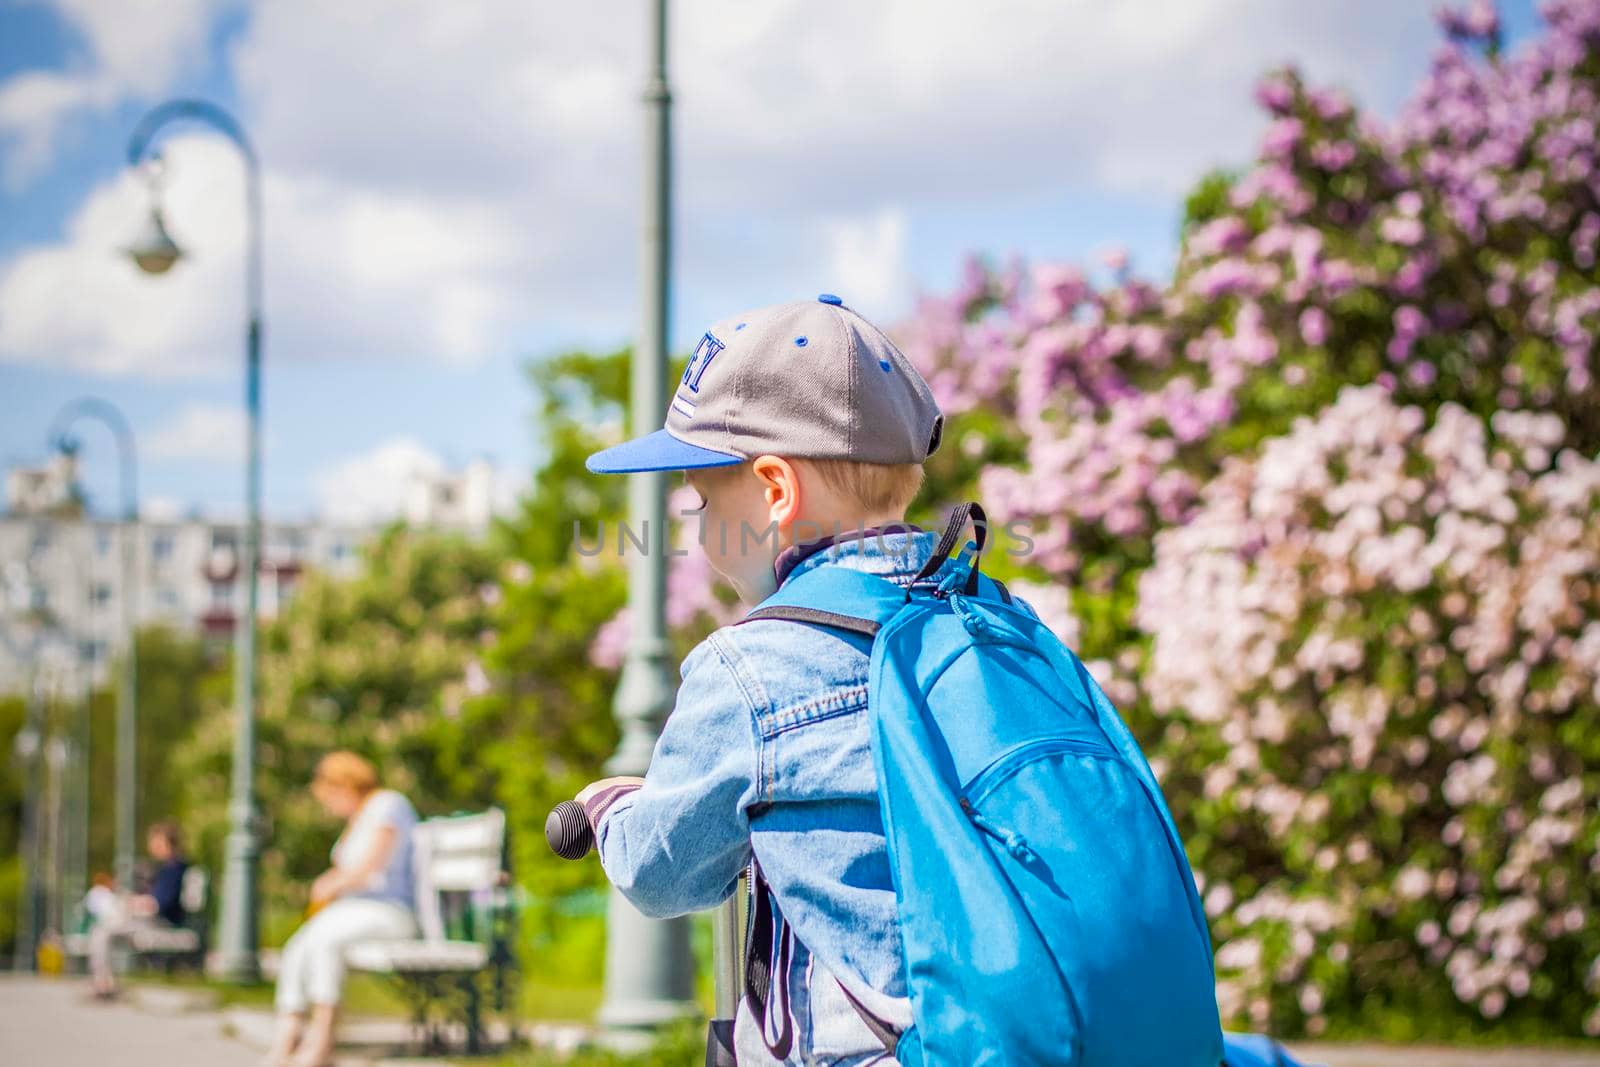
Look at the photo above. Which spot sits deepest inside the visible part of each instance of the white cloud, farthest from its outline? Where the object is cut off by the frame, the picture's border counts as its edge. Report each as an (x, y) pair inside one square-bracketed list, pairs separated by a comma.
[(33, 106), (143, 44), (374, 486), (209, 432), (459, 181), (161, 509), (868, 257), (348, 272), (923, 101), (403, 478), (136, 49)]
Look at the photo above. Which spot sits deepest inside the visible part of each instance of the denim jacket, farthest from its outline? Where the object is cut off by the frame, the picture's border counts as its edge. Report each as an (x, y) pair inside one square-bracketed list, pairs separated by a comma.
[(767, 753)]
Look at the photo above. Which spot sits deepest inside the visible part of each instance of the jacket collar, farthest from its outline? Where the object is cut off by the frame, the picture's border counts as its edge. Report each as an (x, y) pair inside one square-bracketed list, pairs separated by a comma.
[(887, 549)]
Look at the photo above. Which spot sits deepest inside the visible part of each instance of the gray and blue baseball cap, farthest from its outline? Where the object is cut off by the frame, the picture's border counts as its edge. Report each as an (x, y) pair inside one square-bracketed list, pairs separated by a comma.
[(807, 380)]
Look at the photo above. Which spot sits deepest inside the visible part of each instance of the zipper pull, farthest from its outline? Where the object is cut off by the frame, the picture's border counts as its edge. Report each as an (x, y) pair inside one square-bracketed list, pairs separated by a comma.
[(976, 624), (1013, 842)]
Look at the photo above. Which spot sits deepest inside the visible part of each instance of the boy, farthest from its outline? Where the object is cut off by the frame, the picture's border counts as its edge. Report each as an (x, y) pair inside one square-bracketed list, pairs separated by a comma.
[(804, 430)]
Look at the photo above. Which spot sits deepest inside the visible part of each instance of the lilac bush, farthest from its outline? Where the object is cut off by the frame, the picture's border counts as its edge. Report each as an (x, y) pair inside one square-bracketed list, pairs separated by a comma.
[(1320, 513), (1448, 256), (1378, 721)]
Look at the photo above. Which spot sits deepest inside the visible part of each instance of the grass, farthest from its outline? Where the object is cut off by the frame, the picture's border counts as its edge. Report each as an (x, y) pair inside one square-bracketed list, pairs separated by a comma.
[(680, 1046), (559, 1002), (364, 994)]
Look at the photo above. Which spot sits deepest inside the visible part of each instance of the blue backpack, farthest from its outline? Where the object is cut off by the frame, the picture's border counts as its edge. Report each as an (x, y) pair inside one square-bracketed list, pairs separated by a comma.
[(1048, 911)]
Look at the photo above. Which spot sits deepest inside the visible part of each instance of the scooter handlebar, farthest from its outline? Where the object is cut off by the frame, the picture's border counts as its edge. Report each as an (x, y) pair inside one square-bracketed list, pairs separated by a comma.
[(568, 832)]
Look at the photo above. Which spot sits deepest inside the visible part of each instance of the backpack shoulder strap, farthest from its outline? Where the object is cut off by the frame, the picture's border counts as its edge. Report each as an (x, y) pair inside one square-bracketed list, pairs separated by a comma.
[(835, 597), (816, 617), (861, 603)]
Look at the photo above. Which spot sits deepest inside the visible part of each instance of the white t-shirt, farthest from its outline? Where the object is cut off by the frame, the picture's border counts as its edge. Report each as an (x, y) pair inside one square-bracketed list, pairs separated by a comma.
[(103, 904), (394, 880)]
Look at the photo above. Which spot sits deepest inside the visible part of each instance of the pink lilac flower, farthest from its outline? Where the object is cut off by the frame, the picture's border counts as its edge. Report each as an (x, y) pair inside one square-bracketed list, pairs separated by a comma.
[(1314, 324)]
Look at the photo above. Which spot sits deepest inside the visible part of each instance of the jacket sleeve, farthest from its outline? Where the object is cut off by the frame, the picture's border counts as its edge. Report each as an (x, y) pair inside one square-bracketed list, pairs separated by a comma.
[(678, 843)]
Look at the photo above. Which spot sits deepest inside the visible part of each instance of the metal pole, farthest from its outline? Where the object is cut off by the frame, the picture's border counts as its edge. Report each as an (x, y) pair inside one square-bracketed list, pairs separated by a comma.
[(30, 752), (78, 866), (649, 967), (239, 918), (127, 765), (727, 956), (128, 680), (238, 928), (57, 759)]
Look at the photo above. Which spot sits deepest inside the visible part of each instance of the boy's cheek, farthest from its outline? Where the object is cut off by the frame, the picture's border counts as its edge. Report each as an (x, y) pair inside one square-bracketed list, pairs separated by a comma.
[(748, 570)]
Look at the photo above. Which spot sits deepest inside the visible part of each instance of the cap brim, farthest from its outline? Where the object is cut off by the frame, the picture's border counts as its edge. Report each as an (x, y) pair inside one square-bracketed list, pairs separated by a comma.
[(659, 451)]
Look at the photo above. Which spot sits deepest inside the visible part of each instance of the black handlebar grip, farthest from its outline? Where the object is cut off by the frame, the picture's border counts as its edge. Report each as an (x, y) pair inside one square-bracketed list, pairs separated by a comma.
[(568, 832)]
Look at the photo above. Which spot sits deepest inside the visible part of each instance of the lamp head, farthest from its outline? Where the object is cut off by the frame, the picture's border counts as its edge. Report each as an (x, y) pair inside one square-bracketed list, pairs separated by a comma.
[(154, 250)]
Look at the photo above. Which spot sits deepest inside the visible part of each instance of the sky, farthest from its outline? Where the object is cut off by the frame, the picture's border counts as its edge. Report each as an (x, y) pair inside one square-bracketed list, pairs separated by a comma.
[(452, 191)]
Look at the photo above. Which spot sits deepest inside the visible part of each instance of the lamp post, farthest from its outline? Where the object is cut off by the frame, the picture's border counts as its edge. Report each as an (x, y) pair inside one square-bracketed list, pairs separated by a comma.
[(127, 796), (80, 733), (155, 253), (649, 968)]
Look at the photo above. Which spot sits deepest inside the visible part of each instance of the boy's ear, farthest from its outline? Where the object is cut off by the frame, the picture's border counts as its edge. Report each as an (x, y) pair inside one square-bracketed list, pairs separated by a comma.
[(780, 487)]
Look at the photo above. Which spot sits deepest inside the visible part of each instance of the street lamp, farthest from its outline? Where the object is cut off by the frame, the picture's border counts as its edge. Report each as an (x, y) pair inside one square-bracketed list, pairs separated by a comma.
[(649, 968), (154, 250), (128, 685), (155, 253)]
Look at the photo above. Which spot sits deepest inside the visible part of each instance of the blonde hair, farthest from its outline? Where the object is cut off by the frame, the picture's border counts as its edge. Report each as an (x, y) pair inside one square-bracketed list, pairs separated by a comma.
[(346, 770), (873, 487)]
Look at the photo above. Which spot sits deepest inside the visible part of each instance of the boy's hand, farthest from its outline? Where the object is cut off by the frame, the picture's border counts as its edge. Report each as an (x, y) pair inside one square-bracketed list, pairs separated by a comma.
[(588, 791), (596, 798)]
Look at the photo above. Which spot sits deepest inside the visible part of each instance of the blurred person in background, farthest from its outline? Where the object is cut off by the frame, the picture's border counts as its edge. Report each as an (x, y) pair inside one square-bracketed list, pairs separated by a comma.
[(117, 918), (366, 894), (101, 903)]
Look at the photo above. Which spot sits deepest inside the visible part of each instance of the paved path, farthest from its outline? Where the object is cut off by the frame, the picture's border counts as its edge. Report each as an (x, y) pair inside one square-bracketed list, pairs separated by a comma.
[(1425, 1056), (49, 1024)]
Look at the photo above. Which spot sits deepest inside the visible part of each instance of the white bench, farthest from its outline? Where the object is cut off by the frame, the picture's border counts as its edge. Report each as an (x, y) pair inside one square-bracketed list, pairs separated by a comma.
[(458, 861)]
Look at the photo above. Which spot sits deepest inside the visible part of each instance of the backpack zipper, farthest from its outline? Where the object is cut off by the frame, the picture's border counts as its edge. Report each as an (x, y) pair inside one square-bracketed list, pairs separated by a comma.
[(1028, 750), (1013, 842)]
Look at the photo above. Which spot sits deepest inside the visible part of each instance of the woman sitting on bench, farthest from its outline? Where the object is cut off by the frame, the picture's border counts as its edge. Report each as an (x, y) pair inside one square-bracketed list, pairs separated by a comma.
[(367, 894)]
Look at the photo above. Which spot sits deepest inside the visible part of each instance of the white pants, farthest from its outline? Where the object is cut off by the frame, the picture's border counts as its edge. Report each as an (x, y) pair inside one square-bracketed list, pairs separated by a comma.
[(102, 936), (312, 969)]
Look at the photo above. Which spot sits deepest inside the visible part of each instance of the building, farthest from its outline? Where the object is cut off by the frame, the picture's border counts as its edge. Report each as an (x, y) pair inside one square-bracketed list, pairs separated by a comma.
[(464, 500), (63, 582), (46, 490), (61, 579)]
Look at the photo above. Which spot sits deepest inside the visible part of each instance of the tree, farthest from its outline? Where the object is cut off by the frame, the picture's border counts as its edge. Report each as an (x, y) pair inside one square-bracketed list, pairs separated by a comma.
[(380, 664), (13, 713), (179, 680)]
